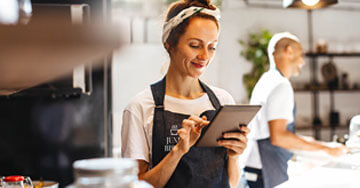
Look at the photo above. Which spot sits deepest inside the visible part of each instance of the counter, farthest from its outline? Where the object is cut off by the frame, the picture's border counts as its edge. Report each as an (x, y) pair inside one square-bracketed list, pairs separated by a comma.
[(317, 170)]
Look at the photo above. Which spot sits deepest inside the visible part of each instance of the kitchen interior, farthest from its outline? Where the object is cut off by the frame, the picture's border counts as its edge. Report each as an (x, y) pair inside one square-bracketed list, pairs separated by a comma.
[(68, 68)]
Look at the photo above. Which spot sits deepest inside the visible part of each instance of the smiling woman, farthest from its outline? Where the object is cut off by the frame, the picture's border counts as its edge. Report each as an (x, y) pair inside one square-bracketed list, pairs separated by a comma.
[(162, 123)]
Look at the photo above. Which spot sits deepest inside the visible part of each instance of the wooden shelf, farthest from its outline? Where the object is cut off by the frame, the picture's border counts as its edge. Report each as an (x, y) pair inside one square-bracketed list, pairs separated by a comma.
[(333, 54)]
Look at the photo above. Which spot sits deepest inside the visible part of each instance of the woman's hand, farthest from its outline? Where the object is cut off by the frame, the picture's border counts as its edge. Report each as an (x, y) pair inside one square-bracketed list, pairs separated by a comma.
[(190, 132), (237, 146)]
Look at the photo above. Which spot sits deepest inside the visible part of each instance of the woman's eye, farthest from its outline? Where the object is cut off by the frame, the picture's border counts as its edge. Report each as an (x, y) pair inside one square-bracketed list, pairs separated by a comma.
[(194, 46), (212, 48)]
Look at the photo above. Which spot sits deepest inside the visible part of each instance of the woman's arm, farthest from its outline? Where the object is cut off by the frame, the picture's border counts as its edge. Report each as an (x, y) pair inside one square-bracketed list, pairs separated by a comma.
[(235, 148), (161, 173)]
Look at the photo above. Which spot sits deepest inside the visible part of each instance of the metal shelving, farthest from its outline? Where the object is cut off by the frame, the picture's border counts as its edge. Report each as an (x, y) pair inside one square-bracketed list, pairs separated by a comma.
[(317, 124)]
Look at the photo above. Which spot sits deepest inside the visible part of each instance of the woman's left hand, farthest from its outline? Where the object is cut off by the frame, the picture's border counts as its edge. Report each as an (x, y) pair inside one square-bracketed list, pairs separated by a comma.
[(236, 146)]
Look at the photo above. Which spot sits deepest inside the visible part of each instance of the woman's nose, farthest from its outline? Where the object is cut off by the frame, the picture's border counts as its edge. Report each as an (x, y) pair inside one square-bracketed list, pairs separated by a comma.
[(203, 55)]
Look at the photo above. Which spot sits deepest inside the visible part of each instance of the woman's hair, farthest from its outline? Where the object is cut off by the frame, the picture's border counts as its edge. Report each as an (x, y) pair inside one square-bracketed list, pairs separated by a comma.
[(176, 7)]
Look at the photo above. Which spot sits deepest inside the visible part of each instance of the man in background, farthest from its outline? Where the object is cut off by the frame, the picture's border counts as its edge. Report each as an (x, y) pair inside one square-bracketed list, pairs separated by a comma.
[(272, 130)]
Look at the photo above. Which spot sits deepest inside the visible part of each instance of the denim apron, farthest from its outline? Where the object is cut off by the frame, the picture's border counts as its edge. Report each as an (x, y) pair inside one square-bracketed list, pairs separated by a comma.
[(274, 159), (200, 167)]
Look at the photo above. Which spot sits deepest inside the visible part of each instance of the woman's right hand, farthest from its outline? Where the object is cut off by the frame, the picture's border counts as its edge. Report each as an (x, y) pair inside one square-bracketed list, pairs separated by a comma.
[(190, 132)]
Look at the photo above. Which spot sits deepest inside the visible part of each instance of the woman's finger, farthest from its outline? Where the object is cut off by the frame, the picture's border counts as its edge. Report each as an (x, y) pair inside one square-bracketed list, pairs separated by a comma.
[(245, 129), (235, 148), (199, 121), (232, 143), (187, 123), (236, 135)]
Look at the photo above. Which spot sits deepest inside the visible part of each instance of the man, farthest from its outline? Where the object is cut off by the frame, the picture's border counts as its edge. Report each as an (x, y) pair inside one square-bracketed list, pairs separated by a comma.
[(273, 127)]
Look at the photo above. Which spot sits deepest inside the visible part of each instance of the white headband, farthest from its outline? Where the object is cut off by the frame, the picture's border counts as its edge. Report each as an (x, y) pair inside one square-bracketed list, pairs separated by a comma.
[(186, 13), (274, 40)]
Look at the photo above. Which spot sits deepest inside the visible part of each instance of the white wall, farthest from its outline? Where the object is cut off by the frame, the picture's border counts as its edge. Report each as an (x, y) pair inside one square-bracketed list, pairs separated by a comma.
[(139, 64)]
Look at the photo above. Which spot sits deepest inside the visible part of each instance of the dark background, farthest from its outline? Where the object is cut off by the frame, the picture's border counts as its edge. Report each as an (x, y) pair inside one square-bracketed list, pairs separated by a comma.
[(44, 129)]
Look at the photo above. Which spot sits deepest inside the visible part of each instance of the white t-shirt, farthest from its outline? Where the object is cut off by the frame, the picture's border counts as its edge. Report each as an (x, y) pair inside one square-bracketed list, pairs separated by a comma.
[(275, 93), (136, 133)]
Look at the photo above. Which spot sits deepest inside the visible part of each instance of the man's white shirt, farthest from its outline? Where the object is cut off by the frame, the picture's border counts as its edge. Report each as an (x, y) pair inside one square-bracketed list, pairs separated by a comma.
[(276, 96)]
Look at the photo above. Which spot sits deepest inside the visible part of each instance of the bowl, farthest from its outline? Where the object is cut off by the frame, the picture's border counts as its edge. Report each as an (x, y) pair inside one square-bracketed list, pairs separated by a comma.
[(46, 184)]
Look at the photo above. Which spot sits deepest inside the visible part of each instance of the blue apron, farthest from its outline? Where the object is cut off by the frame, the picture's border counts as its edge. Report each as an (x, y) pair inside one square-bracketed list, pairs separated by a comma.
[(274, 159), (200, 167)]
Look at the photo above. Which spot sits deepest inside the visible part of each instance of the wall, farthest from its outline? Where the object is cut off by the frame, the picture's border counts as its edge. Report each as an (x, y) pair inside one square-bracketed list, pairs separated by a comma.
[(140, 63)]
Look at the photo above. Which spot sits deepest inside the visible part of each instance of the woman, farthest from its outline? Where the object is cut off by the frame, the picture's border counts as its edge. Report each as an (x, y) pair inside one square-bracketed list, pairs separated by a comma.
[(162, 123)]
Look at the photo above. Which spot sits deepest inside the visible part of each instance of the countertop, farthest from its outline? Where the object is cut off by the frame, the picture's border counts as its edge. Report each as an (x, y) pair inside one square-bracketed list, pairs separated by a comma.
[(319, 170)]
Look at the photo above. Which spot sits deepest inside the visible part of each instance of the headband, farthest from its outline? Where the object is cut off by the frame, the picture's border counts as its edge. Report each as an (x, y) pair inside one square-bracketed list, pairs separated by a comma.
[(274, 40), (186, 13)]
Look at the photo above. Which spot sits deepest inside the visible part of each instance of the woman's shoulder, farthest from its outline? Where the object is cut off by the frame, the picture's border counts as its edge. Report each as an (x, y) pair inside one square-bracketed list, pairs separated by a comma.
[(223, 96), (141, 101)]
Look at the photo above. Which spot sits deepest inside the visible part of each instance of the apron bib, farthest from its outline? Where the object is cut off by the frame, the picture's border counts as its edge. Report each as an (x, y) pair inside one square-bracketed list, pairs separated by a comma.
[(200, 167)]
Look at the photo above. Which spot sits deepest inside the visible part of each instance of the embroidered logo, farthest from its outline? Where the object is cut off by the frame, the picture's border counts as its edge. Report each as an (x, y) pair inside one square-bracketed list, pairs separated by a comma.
[(172, 139)]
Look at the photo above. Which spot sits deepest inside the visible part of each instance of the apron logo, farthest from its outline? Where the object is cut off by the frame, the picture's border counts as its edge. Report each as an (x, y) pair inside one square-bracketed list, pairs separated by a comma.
[(172, 139), (173, 130)]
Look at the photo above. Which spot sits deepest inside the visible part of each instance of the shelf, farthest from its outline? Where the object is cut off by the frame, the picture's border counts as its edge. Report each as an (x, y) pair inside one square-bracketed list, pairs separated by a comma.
[(45, 92), (333, 54), (327, 90)]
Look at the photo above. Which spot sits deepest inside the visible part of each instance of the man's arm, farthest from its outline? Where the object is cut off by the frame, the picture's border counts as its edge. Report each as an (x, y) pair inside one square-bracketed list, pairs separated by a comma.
[(281, 137)]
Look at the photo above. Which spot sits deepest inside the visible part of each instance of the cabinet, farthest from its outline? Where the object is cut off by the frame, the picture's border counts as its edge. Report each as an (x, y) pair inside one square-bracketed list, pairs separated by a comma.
[(315, 88)]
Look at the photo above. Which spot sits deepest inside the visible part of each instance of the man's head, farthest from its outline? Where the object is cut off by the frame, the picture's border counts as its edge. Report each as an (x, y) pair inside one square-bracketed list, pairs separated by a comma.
[(286, 53)]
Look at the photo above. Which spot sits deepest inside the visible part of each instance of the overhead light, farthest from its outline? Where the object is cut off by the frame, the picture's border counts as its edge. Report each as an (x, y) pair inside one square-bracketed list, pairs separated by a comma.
[(308, 4)]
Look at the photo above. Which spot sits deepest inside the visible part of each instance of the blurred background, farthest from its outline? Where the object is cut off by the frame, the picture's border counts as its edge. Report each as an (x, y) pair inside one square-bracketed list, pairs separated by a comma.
[(68, 114)]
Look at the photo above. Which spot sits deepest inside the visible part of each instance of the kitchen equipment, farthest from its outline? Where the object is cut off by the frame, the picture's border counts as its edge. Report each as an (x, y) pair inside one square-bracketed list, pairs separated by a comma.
[(45, 184), (107, 173), (354, 131), (329, 73), (15, 182)]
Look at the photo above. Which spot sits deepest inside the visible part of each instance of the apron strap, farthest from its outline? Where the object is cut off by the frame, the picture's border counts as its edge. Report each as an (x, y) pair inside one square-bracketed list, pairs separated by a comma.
[(158, 92), (214, 100)]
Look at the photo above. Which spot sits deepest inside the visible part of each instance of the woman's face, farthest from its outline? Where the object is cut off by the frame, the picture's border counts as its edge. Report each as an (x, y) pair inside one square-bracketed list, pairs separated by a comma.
[(196, 47)]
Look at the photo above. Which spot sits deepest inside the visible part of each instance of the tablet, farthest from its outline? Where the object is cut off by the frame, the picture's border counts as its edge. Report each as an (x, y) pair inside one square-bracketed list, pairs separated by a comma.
[(227, 119)]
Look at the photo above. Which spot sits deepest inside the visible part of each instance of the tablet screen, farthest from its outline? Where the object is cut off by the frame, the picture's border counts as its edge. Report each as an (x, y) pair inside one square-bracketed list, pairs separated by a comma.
[(227, 119)]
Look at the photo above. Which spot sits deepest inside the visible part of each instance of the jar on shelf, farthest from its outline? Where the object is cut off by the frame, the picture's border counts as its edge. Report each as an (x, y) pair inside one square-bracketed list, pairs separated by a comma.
[(107, 173)]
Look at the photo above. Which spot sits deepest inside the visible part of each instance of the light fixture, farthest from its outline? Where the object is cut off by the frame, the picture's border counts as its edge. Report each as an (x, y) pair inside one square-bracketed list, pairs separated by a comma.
[(308, 4)]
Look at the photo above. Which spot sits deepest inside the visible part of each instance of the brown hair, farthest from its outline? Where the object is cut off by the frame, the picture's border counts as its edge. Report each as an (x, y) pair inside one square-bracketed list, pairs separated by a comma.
[(176, 7)]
